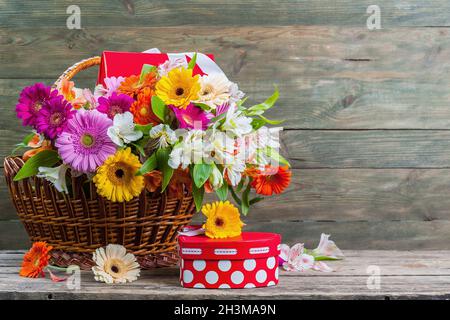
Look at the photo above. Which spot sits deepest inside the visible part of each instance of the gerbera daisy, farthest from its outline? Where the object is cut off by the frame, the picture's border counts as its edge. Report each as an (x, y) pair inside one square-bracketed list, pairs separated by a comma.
[(35, 260), (142, 108), (114, 104), (215, 90), (84, 144), (191, 118), (178, 88), (222, 220), (272, 180), (31, 100), (132, 85), (53, 116), (116, 179), (115, 265)]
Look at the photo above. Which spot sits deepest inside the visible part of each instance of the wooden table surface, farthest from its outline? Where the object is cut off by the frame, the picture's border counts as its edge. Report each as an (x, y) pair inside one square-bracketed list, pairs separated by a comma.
[(403, 275)]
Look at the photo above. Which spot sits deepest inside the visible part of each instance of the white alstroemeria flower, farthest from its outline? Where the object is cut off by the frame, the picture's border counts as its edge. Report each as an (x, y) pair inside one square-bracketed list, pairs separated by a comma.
[(297, 260), (328, 248), (235, 93), (215, 178), (165, 135), (165, 67), (57, 176), (123, 129), (220, 148), (189, 150), (237, 123), (234, 171), (214, 90)]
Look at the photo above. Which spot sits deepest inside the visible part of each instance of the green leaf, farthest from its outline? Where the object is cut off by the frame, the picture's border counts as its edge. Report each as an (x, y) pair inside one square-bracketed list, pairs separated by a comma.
[(235, 196), (24, 143), (222, 192), (198, 194), (193, 61), (256, 200), (145, 129), (139, 148), (159, 108), (149, 165), (259, 109), (325, 258), (245, 205), (257, 123), (240, 184), (46, 158), (201, 173), (203, 106), (146, 69), (162, 156), (241, 102), (272, 153), (272, 122)]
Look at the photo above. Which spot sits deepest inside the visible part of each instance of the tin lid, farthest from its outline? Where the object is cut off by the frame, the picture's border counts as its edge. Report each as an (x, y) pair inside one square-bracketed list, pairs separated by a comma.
[(249, 245)]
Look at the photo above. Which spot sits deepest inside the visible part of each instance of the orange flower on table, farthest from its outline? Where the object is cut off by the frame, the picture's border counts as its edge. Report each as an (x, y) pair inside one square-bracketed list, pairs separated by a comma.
[(30, 153), (132, 85), (35, 260), (142, 108), (272, 180), (153, 180)]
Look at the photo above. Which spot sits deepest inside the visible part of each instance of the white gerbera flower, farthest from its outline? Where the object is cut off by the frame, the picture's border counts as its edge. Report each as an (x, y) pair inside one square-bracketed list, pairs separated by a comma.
[(57, 176), (165, 135), (123, 129), (115, 265), (237, 123), (215, 90)]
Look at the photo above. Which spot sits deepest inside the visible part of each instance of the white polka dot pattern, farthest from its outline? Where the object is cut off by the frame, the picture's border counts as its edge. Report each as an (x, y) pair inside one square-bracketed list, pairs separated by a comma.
[(261, 276), (188, 276), (249, 264), (212, 277), (199, 265), (224, 265), (237, 277), (271, 262)]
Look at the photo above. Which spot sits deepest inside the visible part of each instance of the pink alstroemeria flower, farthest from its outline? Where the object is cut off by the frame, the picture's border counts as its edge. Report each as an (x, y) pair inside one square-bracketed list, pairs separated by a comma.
[(328, 248), (297, 260)]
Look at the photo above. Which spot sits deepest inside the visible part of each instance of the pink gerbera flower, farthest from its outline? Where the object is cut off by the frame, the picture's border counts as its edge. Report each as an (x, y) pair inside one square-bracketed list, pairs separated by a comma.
[(116, 103), (191, 118), (31, 100), (52, 117), (85, 144)]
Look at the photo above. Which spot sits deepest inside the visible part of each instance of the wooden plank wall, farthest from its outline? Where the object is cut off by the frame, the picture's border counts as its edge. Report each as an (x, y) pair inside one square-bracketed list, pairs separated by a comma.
[(368, 112)]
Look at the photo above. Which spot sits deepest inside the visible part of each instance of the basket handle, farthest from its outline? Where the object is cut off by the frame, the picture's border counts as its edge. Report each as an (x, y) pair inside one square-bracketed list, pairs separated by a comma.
[(77, 67)]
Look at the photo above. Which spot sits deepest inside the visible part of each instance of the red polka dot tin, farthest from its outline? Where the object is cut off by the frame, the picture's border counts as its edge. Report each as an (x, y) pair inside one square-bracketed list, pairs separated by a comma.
[(247, 261)]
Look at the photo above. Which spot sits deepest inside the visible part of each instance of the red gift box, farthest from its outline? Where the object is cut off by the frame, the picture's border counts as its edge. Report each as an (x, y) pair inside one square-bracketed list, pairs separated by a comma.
[(115, 63), (247, 261)]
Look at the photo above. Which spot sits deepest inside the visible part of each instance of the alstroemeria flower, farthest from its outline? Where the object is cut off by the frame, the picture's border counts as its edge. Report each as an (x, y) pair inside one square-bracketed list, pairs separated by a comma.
[(164, 134), (57, 176), (236, 123), (297, 260), (328, 248), (123, 130)]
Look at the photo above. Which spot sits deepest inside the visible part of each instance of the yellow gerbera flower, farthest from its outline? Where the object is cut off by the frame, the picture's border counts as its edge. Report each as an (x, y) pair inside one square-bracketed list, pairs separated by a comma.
[(222, 221), (178, 88), (116, 179)]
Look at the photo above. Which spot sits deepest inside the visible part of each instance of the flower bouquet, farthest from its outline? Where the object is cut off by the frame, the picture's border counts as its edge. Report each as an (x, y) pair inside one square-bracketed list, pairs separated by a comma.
[(130, 162)]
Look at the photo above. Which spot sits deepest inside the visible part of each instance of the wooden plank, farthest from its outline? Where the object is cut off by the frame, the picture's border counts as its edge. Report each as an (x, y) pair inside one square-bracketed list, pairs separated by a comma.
[(380, 235), (367, 148), (205, 13), (329, 77), (338, 195), (403, 275)]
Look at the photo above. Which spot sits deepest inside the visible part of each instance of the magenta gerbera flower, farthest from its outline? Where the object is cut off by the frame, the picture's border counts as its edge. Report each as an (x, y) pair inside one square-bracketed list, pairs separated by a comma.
[(191, 118), (85, 144), (114, 104), (52, 118), (31, 100)]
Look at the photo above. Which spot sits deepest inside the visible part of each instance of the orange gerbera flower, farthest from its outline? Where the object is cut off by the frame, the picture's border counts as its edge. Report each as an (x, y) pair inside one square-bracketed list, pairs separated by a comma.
[(142, 108), (272, 180), (132, 86), (35, 260), (153, 180)]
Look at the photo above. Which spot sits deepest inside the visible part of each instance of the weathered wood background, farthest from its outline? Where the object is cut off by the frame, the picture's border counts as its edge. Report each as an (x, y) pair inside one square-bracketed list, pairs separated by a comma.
[(368, 112)]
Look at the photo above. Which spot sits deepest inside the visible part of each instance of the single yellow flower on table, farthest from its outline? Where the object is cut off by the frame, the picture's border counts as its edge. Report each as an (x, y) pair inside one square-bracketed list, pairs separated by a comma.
[(116, 180), (223, 220), (178, 88)]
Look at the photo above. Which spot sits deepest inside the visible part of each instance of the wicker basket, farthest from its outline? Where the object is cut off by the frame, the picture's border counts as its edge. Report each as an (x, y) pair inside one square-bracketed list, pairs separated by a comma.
[(78, 223)]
